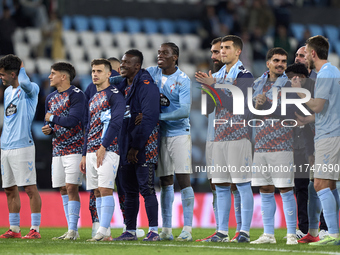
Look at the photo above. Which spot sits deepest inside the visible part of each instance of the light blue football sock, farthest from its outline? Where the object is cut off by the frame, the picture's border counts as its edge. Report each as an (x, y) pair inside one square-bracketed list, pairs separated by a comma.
[(65, 204), (35, 219), (268, 208), (188, 199), (215, 207), (329, 206), (237, 208), (167, 199), (246, 205), (73, 210), (108, 206), (313, 207), (99, 207), (14, 219), (223, 206), (336, 196), (289, 209)]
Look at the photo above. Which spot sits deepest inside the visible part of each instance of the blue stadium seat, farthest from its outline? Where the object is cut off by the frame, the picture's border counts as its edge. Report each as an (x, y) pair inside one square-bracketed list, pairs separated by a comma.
[(98, 24), (167, 26), (196, 25), (297, 30), (67, 22), (332, 33), (150, 26), (116, 25), (85, 80), (133, 25), (337, 47), (81, 23), (184, 26), (315, 29)]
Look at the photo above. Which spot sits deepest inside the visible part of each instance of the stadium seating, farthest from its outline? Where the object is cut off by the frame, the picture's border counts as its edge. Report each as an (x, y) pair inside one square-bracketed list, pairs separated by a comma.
[(70, 38), (98, 24), (105, 39), (33, 36), (82, 67), (297, 30), (87, 38), (150, 26), (167, 26), (184, 26), (94, 52), (115, 24), (133, 25), (315, 29), (332, 33), (44, 65), (22, 49), (67, 22), (81, 23), (140, 41)]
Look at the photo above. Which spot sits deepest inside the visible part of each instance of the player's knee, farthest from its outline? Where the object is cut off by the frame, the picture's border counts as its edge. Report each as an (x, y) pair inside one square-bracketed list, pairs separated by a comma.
[(96, 192), (147, 191), (267, 189), (63, 190), (72, 189), (284, 190), (167, 180), (31, 191), (183, 181), (10, 191), (320, 184)]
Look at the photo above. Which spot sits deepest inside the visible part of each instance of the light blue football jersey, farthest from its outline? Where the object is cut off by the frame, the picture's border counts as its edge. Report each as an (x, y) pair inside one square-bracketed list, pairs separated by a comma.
[(19, 113), (175, 87), (327, 86)]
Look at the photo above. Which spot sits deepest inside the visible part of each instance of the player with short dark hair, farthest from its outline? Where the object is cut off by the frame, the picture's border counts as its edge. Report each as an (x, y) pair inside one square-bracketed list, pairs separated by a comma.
[(273, 147), (326, 106), (101, 153), (64, 113), (138, 143), (175, 150), (17, 145), (231, 143)]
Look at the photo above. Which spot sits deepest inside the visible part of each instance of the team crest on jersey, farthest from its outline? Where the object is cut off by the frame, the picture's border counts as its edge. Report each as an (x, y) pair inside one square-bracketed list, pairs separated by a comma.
[(172, 87), (11, 109), (115, 90)]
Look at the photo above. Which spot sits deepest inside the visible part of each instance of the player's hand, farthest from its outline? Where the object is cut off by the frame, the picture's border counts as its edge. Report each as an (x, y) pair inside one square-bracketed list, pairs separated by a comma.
[(260, 100), (301, 121), (82, 165), (296, 82), (204, 78), (132, 156), (138, 119), (100, 153), (46, 130), (47, 116)]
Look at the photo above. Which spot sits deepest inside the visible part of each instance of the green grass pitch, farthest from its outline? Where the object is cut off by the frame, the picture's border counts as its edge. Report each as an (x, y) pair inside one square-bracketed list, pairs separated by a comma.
[(46, 246)]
